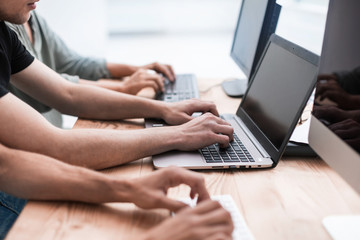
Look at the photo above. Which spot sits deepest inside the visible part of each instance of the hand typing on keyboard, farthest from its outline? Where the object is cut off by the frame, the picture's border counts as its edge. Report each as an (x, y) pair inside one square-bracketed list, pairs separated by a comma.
[(204, 131), (142, 79), (208, 220), (163, 69), (241, 230)]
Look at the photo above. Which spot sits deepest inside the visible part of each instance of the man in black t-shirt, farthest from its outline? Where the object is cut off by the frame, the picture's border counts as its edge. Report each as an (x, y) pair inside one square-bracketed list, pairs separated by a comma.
[(30, 147)]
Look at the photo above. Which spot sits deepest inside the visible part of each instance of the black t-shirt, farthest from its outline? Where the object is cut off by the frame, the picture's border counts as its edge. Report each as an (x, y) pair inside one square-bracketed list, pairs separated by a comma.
[(13, 57)]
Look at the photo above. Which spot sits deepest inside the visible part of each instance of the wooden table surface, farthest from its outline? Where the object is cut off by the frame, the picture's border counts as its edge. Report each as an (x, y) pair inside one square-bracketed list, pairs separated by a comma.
[(286, 202)]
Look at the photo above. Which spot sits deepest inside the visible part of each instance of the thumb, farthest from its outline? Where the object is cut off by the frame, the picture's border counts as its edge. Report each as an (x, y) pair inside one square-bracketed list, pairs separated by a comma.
[(171, 204)]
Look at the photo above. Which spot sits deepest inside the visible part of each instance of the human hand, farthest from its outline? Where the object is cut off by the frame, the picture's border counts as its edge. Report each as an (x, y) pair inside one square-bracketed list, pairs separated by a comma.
[(327, 77), (142, 79), (349, 131), (331, 89), (164, 69), (208, 220), (180, 112), (150, 191), (204, 131), (331, 114)]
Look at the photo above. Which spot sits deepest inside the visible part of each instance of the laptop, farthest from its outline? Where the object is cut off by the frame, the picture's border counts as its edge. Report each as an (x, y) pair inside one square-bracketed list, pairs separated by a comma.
[(268, 113)]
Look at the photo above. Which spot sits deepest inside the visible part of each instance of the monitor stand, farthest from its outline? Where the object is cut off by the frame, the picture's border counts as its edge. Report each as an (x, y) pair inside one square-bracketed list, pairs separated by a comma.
[(235, 88), (343, 227)]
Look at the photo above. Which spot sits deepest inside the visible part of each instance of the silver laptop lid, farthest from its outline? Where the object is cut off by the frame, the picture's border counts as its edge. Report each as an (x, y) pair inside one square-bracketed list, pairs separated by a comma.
[(277, 94)]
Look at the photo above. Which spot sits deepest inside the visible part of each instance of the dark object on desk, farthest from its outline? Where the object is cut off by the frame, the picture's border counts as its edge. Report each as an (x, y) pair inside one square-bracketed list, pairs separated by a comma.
[(235, 88), (251, 35), (299, 150), (336, 140)]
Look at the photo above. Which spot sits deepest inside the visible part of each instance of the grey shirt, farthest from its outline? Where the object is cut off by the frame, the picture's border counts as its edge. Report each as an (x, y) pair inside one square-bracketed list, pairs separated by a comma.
[(50, 49)]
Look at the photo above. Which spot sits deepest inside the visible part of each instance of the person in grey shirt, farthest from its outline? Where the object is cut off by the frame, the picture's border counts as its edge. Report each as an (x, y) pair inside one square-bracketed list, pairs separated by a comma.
[(50, 49)]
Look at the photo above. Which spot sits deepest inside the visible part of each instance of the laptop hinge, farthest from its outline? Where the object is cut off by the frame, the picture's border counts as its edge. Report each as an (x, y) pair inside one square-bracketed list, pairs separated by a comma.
[(252, 138)]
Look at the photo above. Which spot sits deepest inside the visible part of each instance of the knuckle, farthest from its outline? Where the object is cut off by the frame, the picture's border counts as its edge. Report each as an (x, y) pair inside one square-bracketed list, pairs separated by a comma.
[(193, 220)]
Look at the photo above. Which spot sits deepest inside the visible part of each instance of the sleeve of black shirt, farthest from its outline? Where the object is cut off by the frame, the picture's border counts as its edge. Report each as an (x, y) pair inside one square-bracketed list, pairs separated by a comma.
[(13, 57), (20, 58)]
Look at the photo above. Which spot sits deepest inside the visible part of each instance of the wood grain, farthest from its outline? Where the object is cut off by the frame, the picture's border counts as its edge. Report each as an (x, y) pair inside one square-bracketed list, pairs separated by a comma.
[(286, 202)]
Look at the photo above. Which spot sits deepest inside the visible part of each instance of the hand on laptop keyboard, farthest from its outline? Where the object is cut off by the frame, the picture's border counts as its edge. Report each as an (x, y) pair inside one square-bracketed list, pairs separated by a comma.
[(204, 131)]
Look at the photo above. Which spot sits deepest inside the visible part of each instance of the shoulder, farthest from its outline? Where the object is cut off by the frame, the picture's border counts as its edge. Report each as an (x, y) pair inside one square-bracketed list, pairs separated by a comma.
[(7, 36), (17, 28)]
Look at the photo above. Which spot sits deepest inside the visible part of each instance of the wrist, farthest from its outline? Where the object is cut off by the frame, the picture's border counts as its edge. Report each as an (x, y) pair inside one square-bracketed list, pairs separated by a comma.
[(158, 109), (123, 190), (165, 110)]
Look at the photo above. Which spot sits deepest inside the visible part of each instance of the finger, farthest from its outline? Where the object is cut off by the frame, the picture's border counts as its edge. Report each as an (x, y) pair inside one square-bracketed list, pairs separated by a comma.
[(331, 95), (202, 106), (217, 233), (222, 140), (171, 204), (217, 119), (150, 84), (327, 77), (206, 206), (172, 71), (159, 80), (224, 128), (194, 180), (341, 125), (166, 70), (217, 216), (346, 134)]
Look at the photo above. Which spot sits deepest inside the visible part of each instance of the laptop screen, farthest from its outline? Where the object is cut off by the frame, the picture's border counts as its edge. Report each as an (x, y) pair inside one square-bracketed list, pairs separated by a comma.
[(277, 91)]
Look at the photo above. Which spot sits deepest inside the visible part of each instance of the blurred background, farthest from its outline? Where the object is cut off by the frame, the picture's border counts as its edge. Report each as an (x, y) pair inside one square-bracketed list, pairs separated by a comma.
[(193, 36)]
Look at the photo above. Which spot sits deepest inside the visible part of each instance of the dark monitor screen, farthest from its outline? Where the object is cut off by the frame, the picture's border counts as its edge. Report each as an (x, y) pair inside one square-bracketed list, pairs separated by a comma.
[(335, 124), (277, 91), (257, 21)]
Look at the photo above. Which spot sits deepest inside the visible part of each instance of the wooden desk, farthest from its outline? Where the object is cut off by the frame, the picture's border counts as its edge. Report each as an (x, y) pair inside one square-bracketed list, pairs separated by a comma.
[(287, 202)]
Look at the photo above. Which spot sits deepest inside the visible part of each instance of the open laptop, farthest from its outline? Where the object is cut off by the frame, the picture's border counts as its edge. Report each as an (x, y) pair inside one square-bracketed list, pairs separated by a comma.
[(271, 107), (251, 35)]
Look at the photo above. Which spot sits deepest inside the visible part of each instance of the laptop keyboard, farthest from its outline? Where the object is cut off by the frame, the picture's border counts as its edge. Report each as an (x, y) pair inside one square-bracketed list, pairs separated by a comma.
[(182, 89), (236, 152)]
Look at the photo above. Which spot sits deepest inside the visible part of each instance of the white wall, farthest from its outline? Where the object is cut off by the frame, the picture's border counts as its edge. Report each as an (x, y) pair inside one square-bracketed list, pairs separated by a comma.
[(171, 16), (81, 23)]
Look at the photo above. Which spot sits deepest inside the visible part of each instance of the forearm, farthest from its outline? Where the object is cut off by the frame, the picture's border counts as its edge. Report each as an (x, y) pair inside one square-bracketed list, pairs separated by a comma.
[(23, 128), (81, 100), (34, 176), (114, 85), (98, 103), (121, 70), (99, 149)]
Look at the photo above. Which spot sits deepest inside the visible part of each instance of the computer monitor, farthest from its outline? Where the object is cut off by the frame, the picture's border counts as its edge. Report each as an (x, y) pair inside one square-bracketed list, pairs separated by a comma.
[(256, 22), (335, 128)]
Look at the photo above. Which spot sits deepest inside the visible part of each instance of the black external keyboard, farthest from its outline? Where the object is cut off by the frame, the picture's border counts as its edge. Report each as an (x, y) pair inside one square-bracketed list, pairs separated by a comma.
[(236, 152), (182, 89)]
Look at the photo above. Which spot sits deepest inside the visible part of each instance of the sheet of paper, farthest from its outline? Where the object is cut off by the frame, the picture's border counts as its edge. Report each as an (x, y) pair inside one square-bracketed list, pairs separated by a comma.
[(301, 133)]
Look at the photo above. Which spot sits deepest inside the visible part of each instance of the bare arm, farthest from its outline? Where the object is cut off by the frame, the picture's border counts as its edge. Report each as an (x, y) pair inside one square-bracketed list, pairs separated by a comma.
[(85, 101), (56, 180), (21, 127), (132, 84), (122, 70)]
